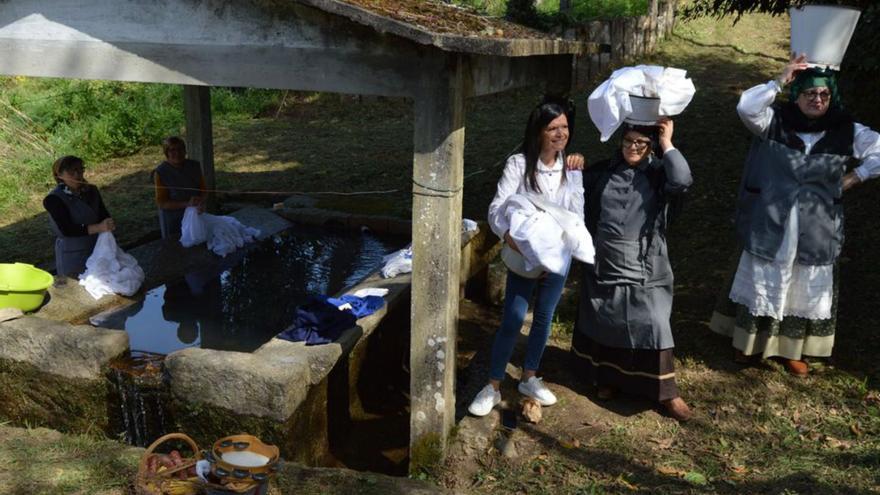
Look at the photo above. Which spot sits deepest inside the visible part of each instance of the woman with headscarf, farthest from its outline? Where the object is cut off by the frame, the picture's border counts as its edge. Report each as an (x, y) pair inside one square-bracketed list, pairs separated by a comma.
[(623, 339), (76, 216), (782, 298)]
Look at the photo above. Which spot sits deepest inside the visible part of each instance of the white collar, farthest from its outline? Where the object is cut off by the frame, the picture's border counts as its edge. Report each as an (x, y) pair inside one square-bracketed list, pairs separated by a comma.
[(557, 166)]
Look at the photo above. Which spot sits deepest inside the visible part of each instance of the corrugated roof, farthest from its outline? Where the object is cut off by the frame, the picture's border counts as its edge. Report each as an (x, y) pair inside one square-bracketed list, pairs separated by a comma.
[(449, 27)]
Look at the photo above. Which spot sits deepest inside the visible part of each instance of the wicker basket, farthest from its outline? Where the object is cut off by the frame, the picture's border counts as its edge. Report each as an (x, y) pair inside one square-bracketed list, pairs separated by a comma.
[(164, 483)]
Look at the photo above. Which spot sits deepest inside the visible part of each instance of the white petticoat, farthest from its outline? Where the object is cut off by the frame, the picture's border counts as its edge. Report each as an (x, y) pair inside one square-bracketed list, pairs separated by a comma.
[(782, 287)]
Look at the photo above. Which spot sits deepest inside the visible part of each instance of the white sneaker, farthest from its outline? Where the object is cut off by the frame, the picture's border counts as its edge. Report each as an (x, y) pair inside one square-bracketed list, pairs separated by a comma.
[(534, 387), (485, 401)]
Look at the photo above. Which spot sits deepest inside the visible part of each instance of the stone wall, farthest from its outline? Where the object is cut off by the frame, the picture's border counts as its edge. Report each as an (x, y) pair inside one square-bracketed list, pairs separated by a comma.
[(624, 40)]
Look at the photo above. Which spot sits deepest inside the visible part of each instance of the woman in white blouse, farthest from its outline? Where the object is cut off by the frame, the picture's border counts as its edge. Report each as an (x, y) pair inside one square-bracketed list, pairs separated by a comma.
[(538, 170), (781, 301)]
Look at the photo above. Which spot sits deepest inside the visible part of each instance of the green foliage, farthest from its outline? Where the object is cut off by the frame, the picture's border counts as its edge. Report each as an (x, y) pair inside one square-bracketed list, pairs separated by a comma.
[(100, 119), (41, 119), (591, 9), (545, 14), (722, 8)]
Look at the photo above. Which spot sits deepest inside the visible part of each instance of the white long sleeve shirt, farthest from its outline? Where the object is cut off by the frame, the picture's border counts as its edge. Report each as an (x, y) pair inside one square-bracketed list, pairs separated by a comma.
[(756, 113), (568, 194)]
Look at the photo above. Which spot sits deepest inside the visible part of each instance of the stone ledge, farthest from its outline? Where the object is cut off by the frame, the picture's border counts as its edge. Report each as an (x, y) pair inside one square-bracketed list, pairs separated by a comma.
[(243, 383), (60, 348)]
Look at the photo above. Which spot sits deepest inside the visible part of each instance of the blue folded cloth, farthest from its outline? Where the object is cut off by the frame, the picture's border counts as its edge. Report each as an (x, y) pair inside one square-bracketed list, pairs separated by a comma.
[(318, 322), (360, 306)]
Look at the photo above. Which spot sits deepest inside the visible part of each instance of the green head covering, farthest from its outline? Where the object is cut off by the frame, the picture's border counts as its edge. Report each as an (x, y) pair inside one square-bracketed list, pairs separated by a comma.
[(815, 77)]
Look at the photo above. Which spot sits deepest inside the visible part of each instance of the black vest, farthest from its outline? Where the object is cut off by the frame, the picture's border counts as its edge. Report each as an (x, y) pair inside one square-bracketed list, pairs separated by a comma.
[(71, 253)]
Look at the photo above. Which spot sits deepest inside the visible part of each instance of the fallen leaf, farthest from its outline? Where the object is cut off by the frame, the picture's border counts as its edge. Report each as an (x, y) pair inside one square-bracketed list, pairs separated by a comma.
[(662, 443), (627, 484), (531, 410), (837, 444), (570, 445), (696, 478), (671, 471), (873, 397), (736, 468), (854, 428), (540, 469)]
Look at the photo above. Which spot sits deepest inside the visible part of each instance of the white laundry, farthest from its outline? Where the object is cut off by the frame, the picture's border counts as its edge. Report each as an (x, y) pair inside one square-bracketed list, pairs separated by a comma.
[(110, 270), (397, 262), (609, 104), (468, 225), (192, 229), (223, 234), (371, 291), (547, 235)]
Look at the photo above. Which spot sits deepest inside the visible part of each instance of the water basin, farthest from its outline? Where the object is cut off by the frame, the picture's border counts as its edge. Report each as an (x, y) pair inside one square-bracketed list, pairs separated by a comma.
[(252, 294)]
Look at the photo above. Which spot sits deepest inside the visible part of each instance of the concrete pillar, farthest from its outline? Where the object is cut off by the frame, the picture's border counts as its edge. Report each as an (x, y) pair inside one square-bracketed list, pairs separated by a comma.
[(438, 165), (200, 133)]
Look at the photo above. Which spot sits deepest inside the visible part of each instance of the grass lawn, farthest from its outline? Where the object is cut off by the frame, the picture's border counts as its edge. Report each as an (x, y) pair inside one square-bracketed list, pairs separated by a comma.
[(757, 429)]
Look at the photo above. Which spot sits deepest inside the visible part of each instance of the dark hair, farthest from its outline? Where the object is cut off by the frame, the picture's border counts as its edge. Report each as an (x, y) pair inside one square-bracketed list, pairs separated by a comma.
[(172, 141), (541, 116), (651, 131), (65, 163)]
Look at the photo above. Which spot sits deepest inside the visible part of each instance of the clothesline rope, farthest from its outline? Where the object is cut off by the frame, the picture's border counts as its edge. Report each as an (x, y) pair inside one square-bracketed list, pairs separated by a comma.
[(437, 192)]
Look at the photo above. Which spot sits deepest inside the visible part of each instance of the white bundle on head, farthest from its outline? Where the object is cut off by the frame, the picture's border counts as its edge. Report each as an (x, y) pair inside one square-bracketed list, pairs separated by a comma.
[(609, 104)]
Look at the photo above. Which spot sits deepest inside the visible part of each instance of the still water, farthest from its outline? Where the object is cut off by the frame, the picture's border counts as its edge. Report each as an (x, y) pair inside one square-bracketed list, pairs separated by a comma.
[(253, 294)]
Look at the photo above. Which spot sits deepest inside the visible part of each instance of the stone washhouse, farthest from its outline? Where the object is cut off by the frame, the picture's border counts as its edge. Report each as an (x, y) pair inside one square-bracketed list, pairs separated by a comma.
[(433, 53)]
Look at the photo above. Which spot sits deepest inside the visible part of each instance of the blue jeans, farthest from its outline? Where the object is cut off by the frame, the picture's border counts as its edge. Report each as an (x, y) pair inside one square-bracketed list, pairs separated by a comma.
[(516, 302)]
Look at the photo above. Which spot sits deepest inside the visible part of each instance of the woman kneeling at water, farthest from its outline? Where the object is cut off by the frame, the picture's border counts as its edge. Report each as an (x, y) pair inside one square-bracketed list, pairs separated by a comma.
[(76, 216)]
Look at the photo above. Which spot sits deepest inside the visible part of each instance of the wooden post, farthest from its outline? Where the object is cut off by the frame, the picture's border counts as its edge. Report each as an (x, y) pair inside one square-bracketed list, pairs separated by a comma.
[(199, 133), (438, 170)]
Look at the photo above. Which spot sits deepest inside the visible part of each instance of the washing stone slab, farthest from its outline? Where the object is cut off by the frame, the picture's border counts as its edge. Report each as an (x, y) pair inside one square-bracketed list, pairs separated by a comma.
[(274, 380), (59, 348)]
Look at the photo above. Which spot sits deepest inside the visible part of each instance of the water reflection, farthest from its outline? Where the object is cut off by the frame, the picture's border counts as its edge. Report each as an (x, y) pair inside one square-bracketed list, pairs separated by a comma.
[(248, 297)]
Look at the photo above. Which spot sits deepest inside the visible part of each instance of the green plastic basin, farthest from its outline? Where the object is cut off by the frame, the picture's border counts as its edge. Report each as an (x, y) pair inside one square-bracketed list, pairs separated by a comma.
[(23, 286)]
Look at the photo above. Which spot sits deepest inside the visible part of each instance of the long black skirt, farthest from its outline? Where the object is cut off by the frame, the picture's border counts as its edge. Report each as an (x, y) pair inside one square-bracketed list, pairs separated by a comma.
[(645, 372)]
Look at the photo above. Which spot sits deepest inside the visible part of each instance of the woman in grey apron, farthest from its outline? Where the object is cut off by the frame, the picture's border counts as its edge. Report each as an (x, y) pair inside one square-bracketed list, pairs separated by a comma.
[(76, 216), (781, 300), (179, 184), (622, 339)]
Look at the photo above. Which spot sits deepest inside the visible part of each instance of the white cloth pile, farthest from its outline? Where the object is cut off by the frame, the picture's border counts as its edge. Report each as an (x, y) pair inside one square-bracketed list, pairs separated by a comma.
[(223, 234), (609, 104), (397, 262), (547, 235), (110, 270)]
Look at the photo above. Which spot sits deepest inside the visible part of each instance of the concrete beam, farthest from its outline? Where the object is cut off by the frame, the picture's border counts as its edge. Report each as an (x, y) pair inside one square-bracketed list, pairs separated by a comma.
[(194, 43), (200, 133), (438, 166)]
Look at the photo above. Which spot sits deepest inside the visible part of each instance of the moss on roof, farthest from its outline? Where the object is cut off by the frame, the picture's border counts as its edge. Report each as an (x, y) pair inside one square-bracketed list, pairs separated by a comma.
[(444, 18)]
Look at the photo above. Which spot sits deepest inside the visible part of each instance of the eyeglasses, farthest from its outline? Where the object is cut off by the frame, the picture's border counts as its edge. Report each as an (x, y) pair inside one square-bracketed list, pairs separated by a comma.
[(638, 144), (820, 95)]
